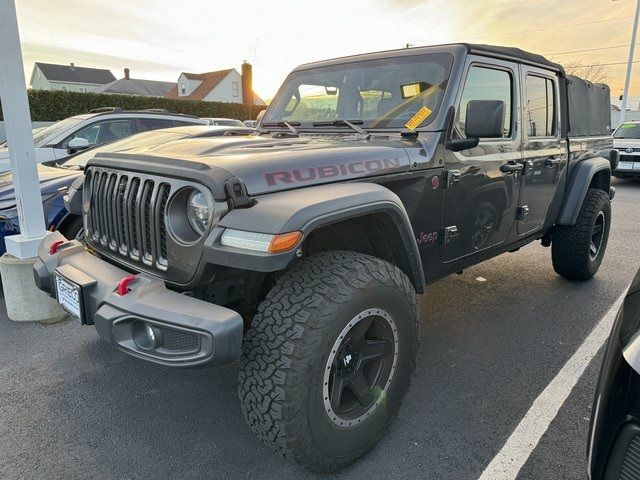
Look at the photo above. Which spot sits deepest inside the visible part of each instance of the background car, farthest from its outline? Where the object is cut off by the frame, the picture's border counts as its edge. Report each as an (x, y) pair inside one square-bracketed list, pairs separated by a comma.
[(99, 126), (250, 123), (227, 122), (614, 435), (626, 139), (56, 177)]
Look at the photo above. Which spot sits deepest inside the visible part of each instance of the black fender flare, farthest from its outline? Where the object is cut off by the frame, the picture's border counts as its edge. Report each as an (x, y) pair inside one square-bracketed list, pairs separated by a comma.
[(305, 210), (577, 187)]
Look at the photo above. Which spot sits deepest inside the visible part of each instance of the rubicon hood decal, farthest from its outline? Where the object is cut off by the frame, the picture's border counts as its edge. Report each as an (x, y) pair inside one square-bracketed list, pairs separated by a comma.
[(297, 175)]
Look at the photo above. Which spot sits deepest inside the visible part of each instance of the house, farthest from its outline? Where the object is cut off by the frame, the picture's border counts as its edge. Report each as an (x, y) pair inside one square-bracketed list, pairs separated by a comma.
[(136, 86), (221, 86), (49, 76)]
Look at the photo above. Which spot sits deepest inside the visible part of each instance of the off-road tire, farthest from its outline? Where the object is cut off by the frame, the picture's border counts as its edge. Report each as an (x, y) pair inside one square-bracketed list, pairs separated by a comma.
[(289, 344), (570, 247)]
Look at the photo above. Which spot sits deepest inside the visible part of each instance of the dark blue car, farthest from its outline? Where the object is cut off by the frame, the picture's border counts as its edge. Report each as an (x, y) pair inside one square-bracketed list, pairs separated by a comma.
[(56, 178)]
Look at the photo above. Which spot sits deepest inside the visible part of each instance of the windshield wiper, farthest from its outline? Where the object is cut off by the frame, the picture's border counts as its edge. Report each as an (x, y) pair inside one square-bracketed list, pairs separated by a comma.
[(283, 124), (342, 123)]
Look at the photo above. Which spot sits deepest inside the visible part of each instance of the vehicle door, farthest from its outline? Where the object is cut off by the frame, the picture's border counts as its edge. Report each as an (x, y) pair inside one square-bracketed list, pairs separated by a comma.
[(544, 152), (97, 133), (481, 188)]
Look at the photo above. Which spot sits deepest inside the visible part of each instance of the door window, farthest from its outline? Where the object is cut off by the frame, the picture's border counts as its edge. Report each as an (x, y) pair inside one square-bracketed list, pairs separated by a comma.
[(539, 107), (487, 84), (147, 124), (102, 132)]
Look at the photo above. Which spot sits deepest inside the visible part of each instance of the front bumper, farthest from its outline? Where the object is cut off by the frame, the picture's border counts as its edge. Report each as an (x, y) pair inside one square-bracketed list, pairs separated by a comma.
[(188, 332), (629, 165)]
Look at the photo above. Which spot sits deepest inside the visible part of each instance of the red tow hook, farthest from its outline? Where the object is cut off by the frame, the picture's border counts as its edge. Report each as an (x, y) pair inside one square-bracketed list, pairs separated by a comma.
[(53, 248), (123, 285)]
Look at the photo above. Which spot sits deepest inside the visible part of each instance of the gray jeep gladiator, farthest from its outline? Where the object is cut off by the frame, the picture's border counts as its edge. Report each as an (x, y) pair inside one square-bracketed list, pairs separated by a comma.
[(300, 249)]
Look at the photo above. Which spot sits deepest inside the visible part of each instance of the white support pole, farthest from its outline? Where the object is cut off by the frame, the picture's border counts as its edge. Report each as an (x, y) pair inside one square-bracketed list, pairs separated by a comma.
[(23, 300), (630, 63), (15, 108)]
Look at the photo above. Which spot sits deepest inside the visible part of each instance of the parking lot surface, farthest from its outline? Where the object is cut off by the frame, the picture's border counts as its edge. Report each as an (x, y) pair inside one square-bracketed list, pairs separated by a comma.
[(492, 340)]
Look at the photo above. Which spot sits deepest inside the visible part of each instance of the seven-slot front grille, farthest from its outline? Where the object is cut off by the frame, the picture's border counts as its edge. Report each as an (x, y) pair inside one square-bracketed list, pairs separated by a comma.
[(127, 215)]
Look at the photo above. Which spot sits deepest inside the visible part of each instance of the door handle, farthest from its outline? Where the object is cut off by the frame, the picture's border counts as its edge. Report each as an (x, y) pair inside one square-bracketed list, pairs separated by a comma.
[(453, 177), (511, 167), (551, 162)]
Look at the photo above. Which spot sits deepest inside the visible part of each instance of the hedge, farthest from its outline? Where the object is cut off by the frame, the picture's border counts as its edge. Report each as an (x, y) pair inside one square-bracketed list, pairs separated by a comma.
[(51, 105)]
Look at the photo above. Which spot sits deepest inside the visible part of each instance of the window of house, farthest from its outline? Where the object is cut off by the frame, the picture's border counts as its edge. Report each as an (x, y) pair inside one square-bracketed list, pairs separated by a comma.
[(64, 88), (82, 89), (234, 89), (183, 88), (487, 84), (539, 107)]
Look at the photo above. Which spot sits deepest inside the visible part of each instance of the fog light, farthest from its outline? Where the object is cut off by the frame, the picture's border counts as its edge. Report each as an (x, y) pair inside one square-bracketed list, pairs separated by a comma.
[(145, 335), (150, 333)]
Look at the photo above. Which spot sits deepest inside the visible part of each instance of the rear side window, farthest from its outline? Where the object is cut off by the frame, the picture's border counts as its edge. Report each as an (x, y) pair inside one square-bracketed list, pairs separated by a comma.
[(487, 84), (147, 124), (180, 123), (539, 107)]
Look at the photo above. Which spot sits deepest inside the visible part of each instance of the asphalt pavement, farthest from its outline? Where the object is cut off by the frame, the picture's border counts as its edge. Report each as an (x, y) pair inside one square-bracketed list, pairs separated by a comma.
[(71, 407)]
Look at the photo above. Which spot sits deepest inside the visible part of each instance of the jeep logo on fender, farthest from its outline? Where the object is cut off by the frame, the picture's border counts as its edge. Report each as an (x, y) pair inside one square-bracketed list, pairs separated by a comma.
[(330, 171)]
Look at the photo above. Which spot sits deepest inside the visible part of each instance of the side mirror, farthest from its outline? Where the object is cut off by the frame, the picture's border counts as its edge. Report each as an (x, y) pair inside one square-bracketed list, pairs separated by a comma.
[(485, 119), (76, 144)]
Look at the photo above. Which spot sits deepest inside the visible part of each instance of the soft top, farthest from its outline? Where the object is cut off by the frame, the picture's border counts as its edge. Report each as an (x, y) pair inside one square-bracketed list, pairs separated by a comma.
[(513, 53), (589, 107), (508, 53)]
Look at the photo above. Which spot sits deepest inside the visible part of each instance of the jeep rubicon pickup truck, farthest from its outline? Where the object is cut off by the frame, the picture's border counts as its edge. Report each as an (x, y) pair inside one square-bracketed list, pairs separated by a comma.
[(300, 250)]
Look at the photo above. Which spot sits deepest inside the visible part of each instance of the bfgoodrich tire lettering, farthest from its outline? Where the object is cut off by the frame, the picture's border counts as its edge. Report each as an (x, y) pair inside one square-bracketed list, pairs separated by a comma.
[(577, 250), (289, 344)]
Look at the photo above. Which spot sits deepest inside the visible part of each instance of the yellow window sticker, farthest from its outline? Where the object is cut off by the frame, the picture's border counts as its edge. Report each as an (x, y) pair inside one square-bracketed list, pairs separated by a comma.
[(420, 116)]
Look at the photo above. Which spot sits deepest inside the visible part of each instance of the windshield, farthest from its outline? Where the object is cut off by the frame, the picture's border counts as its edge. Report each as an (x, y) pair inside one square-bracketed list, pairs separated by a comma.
[(628, 130), (141, 140), (376, 93), (40, 137)]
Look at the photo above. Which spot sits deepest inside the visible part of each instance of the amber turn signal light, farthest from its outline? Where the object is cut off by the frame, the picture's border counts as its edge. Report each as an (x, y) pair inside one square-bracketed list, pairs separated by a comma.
[(284, 242)]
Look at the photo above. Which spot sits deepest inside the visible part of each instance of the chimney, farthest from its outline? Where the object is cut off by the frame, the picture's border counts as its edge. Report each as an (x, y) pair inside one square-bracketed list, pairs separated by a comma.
[(126, 74), (247, 83), (72, 66)]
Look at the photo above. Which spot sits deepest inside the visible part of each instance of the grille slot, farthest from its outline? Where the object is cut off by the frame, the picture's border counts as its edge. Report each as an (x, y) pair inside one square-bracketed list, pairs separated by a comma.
[(126, 215), (176, 341), (631, 465)]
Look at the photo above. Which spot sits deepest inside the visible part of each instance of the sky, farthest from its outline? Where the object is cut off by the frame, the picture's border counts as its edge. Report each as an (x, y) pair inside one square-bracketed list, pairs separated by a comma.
[(158, 39)]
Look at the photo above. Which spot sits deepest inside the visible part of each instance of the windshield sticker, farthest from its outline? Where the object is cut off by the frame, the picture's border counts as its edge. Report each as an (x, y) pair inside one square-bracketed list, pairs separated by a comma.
[(420, 116), (628, 125)]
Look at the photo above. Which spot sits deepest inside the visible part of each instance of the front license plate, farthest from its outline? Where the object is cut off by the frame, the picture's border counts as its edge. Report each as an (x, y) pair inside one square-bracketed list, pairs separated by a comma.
[(625, 166), (69, 296)]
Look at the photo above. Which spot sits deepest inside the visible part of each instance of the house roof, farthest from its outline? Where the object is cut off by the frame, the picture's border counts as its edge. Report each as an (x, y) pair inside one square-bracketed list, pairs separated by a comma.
[(134, 86), (73, 74), (209, 81)]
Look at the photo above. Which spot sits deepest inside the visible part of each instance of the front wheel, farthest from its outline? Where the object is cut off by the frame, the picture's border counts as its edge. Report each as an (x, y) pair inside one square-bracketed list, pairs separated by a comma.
[(577, 250), (329, 357)]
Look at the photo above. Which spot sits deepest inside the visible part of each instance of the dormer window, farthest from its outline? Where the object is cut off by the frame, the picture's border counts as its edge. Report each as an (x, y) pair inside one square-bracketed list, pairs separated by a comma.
[(183, 89)]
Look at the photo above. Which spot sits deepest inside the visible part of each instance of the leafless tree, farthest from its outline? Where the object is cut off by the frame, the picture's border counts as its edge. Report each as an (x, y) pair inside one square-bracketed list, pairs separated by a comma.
[(591, 70)]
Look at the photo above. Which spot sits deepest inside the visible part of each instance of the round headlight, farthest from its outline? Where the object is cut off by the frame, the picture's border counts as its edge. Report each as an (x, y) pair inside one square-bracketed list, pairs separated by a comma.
[(198, 212)]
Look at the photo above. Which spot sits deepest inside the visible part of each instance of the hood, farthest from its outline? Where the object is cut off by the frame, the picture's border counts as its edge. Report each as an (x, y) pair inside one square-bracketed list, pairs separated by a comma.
[(623, 143), (268, 164), (52, 179)]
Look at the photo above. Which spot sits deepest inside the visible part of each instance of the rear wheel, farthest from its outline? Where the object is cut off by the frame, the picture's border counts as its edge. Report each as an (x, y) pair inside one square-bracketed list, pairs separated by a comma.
[(328, 358), (577, 250)]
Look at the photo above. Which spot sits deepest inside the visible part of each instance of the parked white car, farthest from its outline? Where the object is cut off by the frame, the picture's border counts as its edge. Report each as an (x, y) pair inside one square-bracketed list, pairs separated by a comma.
[(224, 122), (99, 126), (626, 139)]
